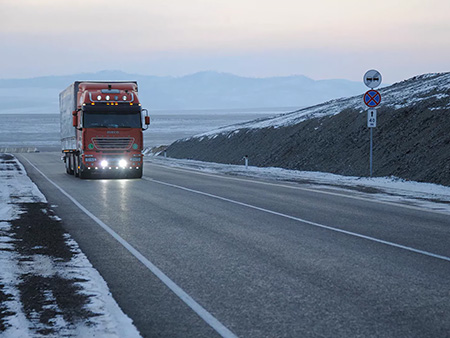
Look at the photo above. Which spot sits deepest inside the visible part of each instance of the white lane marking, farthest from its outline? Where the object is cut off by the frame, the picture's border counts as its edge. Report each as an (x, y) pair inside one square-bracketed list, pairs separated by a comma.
[(371, 200), (373, 239), (188, 300)]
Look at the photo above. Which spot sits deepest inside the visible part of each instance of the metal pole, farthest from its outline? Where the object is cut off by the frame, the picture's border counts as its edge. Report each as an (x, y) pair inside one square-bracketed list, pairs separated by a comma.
[(371, 150)]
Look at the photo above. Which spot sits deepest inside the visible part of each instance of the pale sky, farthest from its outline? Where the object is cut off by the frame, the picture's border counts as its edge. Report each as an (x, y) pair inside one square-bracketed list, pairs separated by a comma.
[(321, 39)]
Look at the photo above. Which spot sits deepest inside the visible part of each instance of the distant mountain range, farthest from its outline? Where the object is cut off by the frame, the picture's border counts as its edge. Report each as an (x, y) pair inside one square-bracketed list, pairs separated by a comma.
[(203, 90)]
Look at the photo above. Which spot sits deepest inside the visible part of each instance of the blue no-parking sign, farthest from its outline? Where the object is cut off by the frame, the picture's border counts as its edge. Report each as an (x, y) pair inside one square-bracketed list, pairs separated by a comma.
[(372, 98)]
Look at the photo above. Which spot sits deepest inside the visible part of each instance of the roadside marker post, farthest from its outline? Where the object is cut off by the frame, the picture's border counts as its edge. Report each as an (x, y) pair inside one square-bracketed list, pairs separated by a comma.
[(371, 123), (246, 161), (372, 99)]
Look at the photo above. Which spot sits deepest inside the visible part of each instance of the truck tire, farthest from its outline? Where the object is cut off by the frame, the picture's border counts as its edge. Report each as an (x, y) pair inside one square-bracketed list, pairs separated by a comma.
[(76, 163), (66, 164), (137, 173), (69, 166), (83, 172)]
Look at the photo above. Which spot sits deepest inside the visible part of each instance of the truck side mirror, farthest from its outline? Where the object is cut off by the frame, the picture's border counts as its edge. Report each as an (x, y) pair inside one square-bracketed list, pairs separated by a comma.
[(146, 118), (74, 119)]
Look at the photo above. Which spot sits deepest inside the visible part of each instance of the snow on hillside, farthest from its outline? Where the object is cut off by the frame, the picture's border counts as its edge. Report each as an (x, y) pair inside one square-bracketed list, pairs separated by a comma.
[(396, 96)]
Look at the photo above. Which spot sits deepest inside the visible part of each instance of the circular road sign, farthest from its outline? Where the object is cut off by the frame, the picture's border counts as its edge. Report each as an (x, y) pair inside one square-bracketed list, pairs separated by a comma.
[(372, 98), (372, 78)]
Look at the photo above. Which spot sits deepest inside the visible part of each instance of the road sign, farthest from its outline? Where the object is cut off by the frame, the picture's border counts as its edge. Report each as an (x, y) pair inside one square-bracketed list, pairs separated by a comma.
[(372, 98), (372, 78), (372, 118)]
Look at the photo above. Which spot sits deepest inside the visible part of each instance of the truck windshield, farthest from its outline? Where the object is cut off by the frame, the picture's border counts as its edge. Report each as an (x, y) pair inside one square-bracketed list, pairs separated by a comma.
[(115, 120)]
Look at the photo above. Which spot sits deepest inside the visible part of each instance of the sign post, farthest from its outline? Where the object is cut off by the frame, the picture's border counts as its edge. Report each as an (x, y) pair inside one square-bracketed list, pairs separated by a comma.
[(371, 123), (372, 99)]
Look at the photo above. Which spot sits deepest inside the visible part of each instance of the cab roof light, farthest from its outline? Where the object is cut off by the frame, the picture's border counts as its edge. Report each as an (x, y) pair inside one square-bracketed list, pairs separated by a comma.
[(110, 91)]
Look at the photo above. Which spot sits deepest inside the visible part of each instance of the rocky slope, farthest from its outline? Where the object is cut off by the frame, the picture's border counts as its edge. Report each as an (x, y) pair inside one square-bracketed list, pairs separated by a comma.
[(411, 141)]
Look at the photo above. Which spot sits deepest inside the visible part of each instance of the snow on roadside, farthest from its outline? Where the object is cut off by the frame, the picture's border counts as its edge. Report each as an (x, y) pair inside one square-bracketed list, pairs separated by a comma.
[(21, 315), (388, 189)]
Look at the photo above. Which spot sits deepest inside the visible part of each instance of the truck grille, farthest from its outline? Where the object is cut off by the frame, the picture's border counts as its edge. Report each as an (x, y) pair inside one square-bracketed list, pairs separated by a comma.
[(116, 143)]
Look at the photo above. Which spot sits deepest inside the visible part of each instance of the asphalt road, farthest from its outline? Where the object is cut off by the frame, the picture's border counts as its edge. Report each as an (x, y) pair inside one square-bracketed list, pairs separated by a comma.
[(255, 259)]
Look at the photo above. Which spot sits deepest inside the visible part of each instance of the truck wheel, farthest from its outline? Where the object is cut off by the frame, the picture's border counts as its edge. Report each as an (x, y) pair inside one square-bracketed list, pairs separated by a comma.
[(137, 173), (76, 162), (83, 172), (66, 164), (69, 166)]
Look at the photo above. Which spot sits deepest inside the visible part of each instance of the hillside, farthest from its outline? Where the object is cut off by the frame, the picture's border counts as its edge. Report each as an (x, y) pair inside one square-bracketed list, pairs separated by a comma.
[(203, 90), (411, 141)]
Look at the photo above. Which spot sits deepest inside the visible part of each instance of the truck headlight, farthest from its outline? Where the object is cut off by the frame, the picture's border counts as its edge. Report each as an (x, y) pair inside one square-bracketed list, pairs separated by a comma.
[(104, 163), (122, 163)]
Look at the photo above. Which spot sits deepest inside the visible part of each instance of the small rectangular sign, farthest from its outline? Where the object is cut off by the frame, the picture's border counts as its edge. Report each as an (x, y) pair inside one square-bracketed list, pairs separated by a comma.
[(371, 118)]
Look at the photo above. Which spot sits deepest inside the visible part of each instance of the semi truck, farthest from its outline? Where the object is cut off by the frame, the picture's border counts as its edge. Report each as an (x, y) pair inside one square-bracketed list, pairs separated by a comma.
[(102, 126)]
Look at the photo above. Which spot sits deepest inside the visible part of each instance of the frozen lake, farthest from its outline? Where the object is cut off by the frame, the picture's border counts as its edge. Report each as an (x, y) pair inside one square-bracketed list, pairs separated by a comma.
[(42, 130)]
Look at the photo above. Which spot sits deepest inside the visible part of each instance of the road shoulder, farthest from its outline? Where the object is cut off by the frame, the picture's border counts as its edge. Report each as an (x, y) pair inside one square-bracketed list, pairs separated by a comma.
[(47, 286)]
